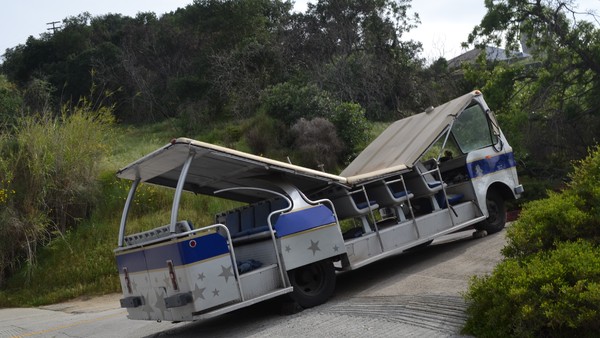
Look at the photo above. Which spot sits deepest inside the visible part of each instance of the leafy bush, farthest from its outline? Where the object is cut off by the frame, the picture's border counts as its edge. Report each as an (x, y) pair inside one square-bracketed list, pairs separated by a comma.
[(553, 293), (566, 216), (352, 126), (550, 284), (546, 222), (50, 166), (37, 96), (194, 117), (263, 133), (317, 142), (289, 102), (10, 102)]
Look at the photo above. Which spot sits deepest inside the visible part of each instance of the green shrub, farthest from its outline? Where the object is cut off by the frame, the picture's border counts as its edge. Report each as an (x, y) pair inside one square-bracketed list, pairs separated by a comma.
[(289, 102), (317, 142), (550, 284), (10, 102), (352, 126), (263, 134), (194, 117), (565, 216), (585, 180), (553, 293), (544, 223), (50, 166)]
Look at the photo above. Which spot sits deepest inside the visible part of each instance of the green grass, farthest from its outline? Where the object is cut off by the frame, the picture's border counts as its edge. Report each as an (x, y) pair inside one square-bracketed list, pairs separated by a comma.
[(131, 143)]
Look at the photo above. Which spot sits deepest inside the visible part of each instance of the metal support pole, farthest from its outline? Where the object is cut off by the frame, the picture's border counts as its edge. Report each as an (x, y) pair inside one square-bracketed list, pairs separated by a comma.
[(410, 208), (373, 218), (130, 197), (179, 190)]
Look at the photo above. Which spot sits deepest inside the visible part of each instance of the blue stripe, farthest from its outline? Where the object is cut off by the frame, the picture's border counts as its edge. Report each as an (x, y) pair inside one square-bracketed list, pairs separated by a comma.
[(206, 247), (491, 165), (181, 253), (302, 220), (135, 261)]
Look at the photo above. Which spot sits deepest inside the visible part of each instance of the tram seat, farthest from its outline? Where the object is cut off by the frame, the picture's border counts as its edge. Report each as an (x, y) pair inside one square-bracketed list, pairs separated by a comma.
[(355, 205), (232, 222), (249, 223), (424, 184), (452, 199), (391, 194)]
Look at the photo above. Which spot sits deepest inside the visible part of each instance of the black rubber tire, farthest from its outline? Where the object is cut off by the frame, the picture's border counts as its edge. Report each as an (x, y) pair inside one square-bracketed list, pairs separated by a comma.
[(496, 214), (313, 283)]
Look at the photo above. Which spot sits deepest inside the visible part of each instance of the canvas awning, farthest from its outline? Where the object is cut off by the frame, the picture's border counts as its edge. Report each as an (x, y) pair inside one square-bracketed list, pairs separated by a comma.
[(404, 141), (215, 167)]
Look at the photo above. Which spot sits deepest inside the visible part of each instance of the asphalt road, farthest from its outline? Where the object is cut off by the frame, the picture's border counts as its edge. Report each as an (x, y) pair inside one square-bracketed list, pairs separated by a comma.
[(414, 294)]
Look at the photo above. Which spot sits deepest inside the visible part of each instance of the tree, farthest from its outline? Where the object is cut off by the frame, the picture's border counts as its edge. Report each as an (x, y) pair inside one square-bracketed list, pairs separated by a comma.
[(10, 103), (555, 101), (354, 50)]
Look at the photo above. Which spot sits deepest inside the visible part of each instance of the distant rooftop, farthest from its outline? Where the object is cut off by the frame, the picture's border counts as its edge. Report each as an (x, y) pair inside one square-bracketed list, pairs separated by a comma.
[(492, 54)]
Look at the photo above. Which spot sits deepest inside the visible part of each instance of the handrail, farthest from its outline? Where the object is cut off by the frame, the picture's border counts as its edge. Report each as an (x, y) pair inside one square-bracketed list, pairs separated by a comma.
[(231, 253), (179, 190), (320, 201), (364, 190), (450, 208), (410, 208), (394, 181), (192, 232)]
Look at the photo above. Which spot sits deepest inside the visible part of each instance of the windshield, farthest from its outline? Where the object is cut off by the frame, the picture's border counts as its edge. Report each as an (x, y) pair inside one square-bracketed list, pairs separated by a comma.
[(471, 130)]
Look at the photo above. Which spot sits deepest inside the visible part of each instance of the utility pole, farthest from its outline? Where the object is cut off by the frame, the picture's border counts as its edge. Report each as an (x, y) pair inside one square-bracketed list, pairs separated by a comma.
[(54, 27)]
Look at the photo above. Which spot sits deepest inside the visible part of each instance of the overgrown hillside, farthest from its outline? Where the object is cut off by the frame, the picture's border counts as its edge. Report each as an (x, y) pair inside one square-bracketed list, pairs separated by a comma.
[(78, 260)]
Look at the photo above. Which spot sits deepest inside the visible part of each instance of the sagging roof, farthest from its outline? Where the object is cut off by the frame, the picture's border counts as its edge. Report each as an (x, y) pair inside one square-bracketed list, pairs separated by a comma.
[(404, 141), (214, 168)]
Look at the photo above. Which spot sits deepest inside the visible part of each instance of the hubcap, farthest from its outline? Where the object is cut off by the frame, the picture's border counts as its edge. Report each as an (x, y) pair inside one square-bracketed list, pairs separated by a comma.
[(309, 279)]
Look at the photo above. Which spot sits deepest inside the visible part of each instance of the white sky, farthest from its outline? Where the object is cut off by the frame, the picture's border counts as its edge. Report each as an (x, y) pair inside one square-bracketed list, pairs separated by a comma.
[(444, 23)]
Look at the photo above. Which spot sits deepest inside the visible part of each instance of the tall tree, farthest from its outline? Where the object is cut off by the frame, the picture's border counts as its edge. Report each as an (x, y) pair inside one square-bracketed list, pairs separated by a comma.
[(354, 49), (555, 101)]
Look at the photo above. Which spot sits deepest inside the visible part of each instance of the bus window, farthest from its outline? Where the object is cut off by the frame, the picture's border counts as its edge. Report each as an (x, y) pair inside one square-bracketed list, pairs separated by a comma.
[(472, 130)]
